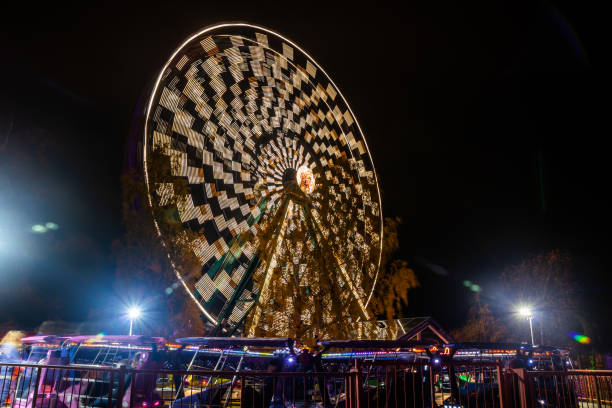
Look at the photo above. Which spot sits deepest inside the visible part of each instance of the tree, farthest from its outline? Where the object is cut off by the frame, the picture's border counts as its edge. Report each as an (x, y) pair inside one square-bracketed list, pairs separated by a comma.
[(145, 266), (546, 284), (481, 325), (396, 278)]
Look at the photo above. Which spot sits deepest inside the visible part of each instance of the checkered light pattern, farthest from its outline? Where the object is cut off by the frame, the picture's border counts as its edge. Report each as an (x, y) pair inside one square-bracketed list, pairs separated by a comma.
[(234, 109)]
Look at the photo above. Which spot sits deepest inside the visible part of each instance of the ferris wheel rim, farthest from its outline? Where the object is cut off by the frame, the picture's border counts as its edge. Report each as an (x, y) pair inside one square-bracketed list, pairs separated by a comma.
[(150, 103)]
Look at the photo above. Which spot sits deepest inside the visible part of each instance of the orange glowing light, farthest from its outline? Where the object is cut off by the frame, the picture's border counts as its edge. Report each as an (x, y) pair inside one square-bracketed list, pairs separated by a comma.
[(306, 179)]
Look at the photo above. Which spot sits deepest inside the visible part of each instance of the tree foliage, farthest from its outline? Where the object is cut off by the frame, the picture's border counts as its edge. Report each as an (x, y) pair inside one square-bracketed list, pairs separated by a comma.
[(546, 283), (144, 270), (481, 325), (396, 278)]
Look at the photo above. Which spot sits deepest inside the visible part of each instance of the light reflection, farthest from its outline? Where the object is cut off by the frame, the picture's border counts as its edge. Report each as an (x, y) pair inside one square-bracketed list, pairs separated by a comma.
[(580, 338), (42, 228), (39, 229)]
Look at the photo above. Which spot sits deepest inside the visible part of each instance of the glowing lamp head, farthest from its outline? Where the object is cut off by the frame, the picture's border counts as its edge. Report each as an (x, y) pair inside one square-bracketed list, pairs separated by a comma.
[(524, 311), (305, 179), (134, 312)]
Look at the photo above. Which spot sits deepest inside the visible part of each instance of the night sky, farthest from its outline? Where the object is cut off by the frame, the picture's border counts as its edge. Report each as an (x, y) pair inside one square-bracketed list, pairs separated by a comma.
[(487, 124)]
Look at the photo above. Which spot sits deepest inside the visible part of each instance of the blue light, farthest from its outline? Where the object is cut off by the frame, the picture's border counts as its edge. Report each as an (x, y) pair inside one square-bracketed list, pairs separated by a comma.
[(436, 361), (290, 360)]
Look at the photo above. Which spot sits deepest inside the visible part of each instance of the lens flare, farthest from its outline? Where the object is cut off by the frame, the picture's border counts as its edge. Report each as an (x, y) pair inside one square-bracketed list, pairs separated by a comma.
[(39, 229), (134, 312), (580, 338)]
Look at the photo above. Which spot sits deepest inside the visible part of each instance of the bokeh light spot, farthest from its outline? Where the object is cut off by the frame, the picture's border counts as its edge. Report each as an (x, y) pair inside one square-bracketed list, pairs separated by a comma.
[(467, 283), (52, 226), (475, 288), (39, 229)]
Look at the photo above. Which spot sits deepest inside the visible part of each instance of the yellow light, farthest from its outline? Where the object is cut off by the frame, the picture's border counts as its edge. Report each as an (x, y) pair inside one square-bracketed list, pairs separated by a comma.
[(306, 179)]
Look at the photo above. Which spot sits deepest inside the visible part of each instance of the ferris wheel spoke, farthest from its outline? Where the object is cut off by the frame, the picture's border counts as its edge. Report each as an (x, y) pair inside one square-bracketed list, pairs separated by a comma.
[(270, 263)]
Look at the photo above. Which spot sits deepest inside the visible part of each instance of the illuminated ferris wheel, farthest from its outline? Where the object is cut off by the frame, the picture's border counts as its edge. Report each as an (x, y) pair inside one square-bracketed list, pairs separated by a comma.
[(251, 148)]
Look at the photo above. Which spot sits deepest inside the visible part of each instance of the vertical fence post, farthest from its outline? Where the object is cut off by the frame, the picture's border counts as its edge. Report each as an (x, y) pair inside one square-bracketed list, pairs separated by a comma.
[(355, 385), (35, 396), (432, 390), (121, 388), (111, 384), (502, 387), (597, 391), (525, 387)]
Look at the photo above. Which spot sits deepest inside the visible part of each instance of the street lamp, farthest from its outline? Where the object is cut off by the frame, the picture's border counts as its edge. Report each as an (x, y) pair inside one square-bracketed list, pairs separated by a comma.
[(527, 313), (133, 313)]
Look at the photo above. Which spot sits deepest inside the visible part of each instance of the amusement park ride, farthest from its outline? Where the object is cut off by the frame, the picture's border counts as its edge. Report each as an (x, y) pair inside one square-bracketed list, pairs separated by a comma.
[(278, 176)]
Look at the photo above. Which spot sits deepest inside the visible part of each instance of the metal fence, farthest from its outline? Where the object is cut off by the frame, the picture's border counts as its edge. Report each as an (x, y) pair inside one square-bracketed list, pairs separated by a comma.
[(361, 385), (81, 386), (566, 389), (422, 384)]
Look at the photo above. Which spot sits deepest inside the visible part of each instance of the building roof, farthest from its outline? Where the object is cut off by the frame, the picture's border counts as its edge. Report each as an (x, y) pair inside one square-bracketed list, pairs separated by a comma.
[(412, 328)]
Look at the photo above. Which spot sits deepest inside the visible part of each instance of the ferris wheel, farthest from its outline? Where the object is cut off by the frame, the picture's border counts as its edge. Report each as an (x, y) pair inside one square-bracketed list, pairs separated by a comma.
[(267, 172)]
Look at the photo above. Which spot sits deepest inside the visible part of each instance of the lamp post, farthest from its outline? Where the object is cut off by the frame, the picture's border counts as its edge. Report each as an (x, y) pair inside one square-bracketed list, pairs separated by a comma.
[(526, 312), (133, 314)]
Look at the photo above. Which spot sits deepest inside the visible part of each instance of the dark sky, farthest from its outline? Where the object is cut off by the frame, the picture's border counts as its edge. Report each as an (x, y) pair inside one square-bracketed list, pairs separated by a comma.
[(487, 123)]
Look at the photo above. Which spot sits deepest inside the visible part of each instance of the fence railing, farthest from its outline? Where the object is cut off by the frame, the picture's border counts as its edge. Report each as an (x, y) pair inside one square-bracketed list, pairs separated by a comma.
[(364, 384)]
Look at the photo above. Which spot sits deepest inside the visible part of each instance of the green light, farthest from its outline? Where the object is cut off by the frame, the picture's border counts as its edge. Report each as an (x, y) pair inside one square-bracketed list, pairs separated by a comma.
[(475, 288), (467, 283), (39, 229), (52, 226)]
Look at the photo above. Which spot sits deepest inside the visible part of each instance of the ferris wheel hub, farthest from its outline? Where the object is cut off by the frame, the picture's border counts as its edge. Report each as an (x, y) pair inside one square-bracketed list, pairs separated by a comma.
[(305, 179)]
